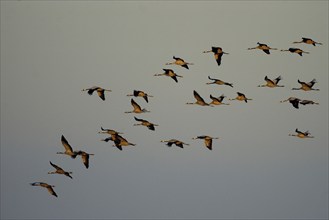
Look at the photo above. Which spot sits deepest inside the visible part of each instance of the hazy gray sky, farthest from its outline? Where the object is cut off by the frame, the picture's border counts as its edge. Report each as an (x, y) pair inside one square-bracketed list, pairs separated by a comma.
[(50, 50)]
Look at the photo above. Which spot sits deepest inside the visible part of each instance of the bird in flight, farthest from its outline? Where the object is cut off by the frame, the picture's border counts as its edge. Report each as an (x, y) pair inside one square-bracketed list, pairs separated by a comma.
[(59, 170), (296, 50), (307, 41), (100, 91), (45, 185), (207, 140), (180, 62), (218, 53), (170, 73), (263, 47), (139, 93), (300, 134), (178, 143), (272, 83)]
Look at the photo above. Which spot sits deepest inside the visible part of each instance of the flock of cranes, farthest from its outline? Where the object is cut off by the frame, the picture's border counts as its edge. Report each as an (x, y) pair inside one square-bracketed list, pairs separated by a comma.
[(119, 141)]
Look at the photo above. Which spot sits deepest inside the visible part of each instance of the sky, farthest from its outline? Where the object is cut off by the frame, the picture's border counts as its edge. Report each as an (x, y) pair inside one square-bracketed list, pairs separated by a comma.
[(51, 50)]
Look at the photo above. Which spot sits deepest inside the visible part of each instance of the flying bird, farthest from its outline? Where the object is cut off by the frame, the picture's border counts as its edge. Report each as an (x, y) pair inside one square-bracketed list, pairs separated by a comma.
[(207, 140), (85, 157), (180, 62), (138, 93), (176, 142), (307, 41), (293, 100), (272, 83), (146, 123), (100, 91), (199, 100), (45, 185), (218, 101), (137, 108), (68, 149), (219, 82), (306, 86), (170, 73), (296, 50), (301, 134), (241, 97), (120, 141), (263, 47), (218, 53), (59, 170)]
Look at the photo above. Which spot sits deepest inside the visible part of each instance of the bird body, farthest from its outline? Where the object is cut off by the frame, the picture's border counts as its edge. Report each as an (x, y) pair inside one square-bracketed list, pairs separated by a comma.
[(218, 101), (199, 100), (307, 41), (272, 83), (218, 53), (68, 149), (241, 97), (306, 86), (219, 82), (296, 50), (146, 123), (59, 170), (170, 73), (263, 47), (180, 62), (300, 134), (100, 91), (137, 108), (45, 185), (139, 93), (176, 142)]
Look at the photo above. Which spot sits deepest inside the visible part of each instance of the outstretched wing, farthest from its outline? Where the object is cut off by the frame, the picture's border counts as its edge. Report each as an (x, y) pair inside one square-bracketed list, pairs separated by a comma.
[(66, 144), (55, 166), (197, 96), (135, 105), (51, 191), (139, 119), (101, 94)]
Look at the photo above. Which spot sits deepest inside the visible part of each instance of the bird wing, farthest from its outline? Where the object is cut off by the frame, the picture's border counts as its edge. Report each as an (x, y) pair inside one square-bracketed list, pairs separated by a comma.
[(266, 51), (197, 96), (145, 98), (66, 144), (174, 78), (136, 92), (208, 143), (92, 89), (55, 166), (179, 144), (135, 105), (51, 191), (101, 94), (139, 119), (240, 94), (151, 127), (276, 80), (185, 66), (295, 103), (85, 159), (218, 57)]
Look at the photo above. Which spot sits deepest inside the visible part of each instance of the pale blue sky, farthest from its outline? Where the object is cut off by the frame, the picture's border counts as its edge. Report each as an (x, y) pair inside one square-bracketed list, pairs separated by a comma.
[(50, 50)]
